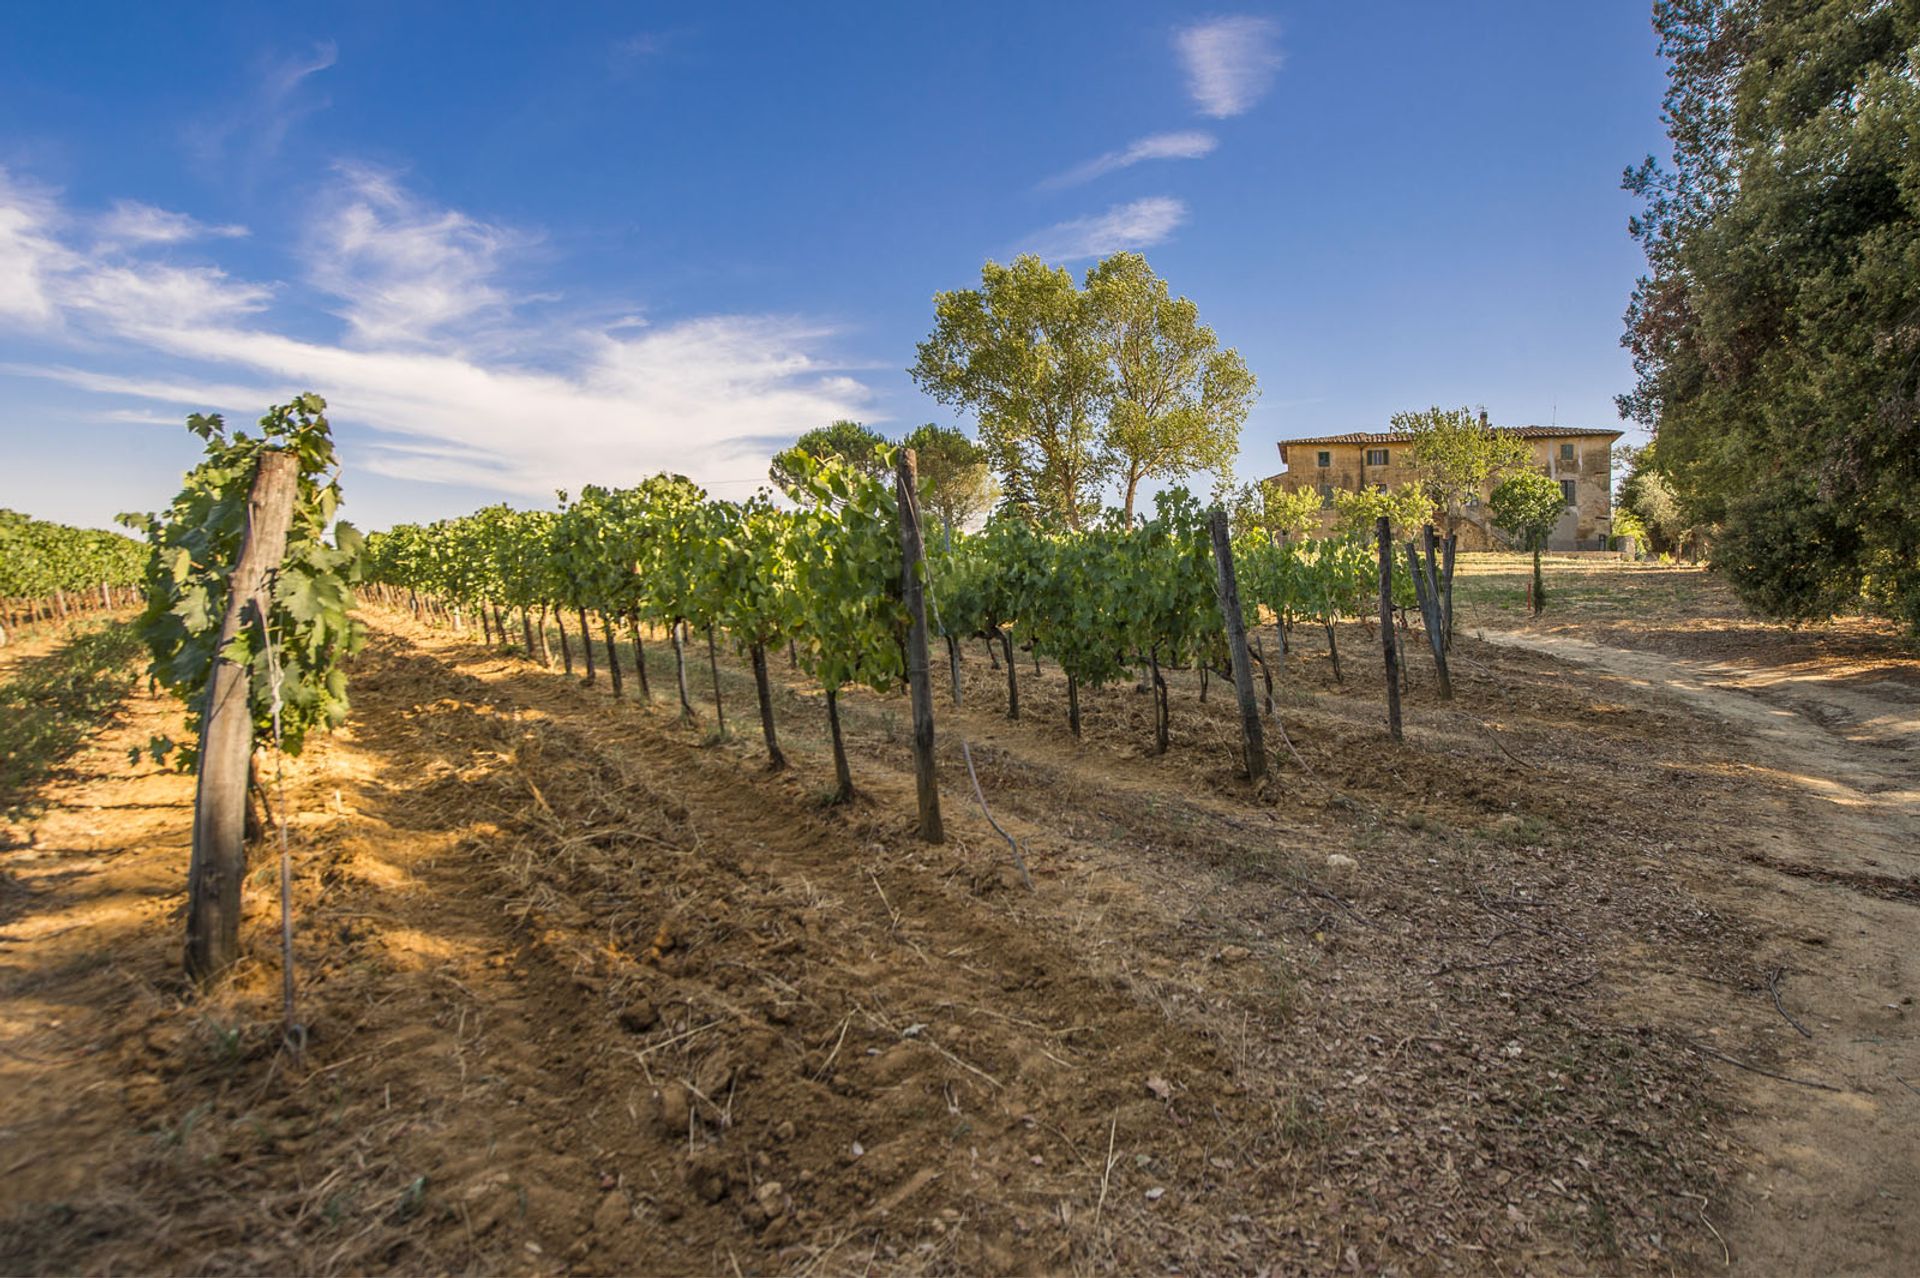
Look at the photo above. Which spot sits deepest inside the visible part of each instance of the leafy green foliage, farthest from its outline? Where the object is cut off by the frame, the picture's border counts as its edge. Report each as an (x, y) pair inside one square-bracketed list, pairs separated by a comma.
[(38, 558), (1408, 507), (1459, 457), (1179, 399), (1074, 387), (1527, 505), (192, 549), (1774, 340), (849, 442), (956, 485)]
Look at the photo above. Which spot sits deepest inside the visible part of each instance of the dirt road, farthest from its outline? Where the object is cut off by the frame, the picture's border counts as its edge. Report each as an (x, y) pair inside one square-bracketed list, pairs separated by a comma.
[(1834, 880)]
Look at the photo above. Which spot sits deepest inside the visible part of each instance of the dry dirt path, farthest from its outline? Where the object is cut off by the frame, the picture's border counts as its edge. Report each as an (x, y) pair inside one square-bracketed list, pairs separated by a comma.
[(1834, 883)]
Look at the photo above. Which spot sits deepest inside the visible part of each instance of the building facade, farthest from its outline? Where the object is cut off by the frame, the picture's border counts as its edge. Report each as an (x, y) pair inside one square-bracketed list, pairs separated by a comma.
[(1579, 458)]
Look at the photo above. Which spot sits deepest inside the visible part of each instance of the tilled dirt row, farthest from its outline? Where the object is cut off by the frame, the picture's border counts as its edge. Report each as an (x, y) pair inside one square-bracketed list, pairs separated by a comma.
[(589, 991)]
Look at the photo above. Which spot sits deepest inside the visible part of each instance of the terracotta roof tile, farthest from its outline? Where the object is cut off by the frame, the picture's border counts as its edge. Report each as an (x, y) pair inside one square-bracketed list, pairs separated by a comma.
[(1397, 437)]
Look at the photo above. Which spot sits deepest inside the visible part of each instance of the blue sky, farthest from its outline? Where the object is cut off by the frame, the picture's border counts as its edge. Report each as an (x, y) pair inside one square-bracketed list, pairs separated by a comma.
[(525, 247)]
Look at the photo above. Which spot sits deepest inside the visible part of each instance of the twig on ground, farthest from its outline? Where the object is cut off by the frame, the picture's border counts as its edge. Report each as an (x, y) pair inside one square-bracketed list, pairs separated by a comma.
[(1748, 1065), (1773, 988), (1725, 1251), (1018, 860), (1107, 1173)]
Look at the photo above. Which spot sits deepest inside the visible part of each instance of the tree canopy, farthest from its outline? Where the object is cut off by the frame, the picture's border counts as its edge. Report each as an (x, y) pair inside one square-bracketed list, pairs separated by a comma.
[(956, 486), (1458, 455), (1774, 337), (1076, 387), (849, 442), (1178, 400)]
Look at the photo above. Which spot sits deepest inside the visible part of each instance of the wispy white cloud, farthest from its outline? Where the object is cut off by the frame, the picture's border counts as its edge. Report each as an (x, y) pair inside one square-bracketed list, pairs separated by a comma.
[(1136, 225), (252, 130), (139, 297), (695, 395), (404, 271), (131, 223), (1188, 145), (29, 254), (1230, 62)]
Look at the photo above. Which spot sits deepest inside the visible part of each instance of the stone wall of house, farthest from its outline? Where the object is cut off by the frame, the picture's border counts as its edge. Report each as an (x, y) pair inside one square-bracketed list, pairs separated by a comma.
[(1586, 460)]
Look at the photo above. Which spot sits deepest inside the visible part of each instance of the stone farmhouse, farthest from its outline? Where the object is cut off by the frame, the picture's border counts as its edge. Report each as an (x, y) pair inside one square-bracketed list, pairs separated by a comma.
[(1579, 457)]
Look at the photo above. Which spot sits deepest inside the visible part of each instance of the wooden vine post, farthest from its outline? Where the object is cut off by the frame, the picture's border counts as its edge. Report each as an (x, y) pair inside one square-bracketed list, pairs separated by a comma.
[(1229, 591), (1383, 533), (219, 858), (1426, 588), (919, 680)]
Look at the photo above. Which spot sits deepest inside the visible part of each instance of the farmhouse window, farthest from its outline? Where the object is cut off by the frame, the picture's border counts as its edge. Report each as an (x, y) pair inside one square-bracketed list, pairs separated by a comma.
[(1566, 492), (1326, 458), (1566, 452), (1376, 457)]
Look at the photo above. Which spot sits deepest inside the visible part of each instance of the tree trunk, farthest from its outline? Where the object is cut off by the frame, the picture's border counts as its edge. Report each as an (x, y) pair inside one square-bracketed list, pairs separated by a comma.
[(219, 858), (1236, 623), (953, 664), (566, 647), (1539, 584), (1426, 592), (775, 760), (486, 627), (1203, 681), (1073, 705), (613, 655), (526, 631), (919, 676), (1266, 671), (1013, 676), (546, 644), (586, 645), (679, 633), (1162, 713), (640, 661), (1333, 649), (1389, 648), (843, 779), (993, 658), (713, 661)]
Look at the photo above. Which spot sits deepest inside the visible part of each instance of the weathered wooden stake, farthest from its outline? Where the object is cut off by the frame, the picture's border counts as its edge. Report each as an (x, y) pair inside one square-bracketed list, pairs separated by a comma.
[(713, 663), (586, 646), (219, 859), (640, 661), (1426, 589), (764, 690), (906, 482), (1383, 531), (1446, 587), (1228, 590), (613, 655)]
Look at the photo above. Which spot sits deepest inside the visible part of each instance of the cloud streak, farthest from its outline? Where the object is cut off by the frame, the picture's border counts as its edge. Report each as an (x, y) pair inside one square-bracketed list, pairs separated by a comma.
[(129, 223), (1136, 225), (1188, 145), (1230, 62)]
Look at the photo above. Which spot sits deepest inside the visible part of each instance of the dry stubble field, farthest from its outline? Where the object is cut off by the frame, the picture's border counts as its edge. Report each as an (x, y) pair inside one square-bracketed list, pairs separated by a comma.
[(1617, 982)]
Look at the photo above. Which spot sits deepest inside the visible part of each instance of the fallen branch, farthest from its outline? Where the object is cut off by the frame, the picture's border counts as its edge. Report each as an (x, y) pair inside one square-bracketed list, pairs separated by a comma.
[(1773, 988), (1748, 1065), (972, 776)]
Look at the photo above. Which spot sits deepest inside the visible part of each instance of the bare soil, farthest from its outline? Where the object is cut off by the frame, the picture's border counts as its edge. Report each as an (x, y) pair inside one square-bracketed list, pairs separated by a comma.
[(588, 990)]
